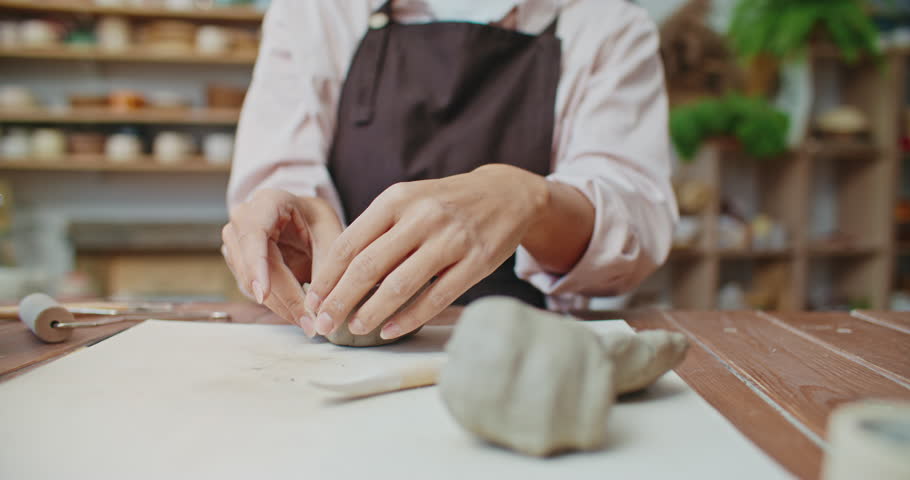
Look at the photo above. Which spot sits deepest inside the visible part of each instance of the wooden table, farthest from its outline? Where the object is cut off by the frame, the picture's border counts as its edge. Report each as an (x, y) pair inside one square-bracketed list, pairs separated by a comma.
[(775, 376)]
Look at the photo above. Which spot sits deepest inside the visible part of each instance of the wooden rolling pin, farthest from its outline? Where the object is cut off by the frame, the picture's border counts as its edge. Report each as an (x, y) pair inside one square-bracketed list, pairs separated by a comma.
[(99, 308)]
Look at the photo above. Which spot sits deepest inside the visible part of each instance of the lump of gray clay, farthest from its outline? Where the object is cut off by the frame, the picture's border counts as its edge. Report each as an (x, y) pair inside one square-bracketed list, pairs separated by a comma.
[(526, 379), (640, 359), (541, 383), (343, 336)]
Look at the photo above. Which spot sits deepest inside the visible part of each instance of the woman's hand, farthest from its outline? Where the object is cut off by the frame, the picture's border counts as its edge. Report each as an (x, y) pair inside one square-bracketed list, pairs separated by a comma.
[(459, 229), (272, 244)]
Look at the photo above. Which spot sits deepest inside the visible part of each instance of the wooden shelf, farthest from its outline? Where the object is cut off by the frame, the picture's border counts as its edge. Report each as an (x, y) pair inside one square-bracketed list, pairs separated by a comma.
[(831, 52), (98, 164), (240, 14), (820, 251), (737, 254), (686, 253), (832, 149), (108, 116), (135, 55)]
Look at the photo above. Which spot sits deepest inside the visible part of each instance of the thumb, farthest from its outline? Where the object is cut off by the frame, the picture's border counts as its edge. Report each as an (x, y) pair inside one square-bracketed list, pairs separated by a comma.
[(322, 236)]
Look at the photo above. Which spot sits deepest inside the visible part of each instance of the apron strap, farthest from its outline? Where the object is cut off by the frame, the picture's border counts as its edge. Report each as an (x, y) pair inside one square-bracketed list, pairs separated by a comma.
[(551, 28), (374, 48)]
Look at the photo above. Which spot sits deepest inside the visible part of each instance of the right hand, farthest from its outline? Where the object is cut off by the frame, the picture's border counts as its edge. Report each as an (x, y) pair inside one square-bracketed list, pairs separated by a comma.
[(271, 244)]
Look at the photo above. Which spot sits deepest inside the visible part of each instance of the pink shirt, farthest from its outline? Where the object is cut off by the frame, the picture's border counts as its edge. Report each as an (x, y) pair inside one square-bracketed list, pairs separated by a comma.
[(610, 142)]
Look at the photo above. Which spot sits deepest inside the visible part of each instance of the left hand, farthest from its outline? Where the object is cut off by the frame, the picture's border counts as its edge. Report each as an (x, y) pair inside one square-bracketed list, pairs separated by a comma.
[(458, 229)]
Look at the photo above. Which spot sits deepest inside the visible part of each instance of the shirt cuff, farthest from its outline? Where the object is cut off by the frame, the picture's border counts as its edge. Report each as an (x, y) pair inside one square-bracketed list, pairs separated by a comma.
[(613, 261)]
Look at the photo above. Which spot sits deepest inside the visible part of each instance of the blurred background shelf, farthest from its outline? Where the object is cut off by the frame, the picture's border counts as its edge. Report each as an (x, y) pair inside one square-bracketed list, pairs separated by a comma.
[(86, 115), (97, 163), (221, 13), (80, 77), (134, 55), (842, 149), (685, 254), (843, 251), (770, 254)]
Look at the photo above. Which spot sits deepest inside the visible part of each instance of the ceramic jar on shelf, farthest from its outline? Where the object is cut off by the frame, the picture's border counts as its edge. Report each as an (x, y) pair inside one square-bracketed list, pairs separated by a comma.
[(86, 143), (113, 34), (218, 148), (48, 144), (172, 147), (124, 147), (15, 144), (16, 97), (38, 34), (213, 40)]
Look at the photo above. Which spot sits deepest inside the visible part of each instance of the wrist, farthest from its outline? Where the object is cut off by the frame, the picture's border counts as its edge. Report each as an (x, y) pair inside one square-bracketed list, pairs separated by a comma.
[(534, 189)]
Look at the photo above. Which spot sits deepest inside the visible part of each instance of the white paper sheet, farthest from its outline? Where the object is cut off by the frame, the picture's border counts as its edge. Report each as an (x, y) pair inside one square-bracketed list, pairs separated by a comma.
[(222, 401)]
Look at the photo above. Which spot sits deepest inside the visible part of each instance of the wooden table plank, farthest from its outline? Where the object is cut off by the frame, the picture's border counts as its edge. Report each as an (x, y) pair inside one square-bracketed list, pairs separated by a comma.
[(896, 320), (805, 378), (19, 348), (878, 347), (758, 420)]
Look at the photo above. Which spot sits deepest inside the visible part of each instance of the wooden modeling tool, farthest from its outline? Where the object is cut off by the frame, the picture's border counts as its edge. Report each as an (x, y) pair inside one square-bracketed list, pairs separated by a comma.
[(420, 375), (53, 323)]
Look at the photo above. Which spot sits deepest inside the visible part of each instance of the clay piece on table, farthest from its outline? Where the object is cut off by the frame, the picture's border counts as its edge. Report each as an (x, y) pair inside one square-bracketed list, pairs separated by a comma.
[(342, 336), (639, 359), (526, 379), (541, 383)]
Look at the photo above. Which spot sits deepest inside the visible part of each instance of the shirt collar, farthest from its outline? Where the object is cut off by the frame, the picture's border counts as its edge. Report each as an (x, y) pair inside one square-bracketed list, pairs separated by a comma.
[(533, 16)]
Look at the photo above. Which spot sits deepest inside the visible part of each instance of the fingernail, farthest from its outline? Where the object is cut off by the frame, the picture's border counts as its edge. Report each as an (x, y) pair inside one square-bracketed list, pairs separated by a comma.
[(356, 326), (390, 331), (324, 323), (257, 291), (307, 324), (312, 301)]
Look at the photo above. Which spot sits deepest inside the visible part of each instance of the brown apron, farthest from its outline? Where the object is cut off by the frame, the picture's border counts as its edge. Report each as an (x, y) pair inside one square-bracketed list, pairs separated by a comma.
[(432, 100)]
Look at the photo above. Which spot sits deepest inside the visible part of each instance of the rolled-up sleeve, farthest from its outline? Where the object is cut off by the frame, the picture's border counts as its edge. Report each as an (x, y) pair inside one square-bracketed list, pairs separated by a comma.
[(614, 147), (286, 125)]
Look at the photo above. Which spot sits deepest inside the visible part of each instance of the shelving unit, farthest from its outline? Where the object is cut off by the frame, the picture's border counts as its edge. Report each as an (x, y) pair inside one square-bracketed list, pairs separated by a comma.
[(134, 55), (144, 116), (89, 188), (97, 163), (764, 254), (241, 14), (901, 246), (865, 173)]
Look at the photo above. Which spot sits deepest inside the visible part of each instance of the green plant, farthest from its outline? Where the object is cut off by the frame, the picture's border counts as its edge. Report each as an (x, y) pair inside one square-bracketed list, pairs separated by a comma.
[(760, 129), (782, 28)]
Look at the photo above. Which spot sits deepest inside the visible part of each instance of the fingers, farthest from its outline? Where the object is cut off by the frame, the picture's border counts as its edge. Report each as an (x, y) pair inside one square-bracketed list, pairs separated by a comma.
[(286, 293), (272, 303), (286, 298), (253, 224), (241, 283), (367, 269), (445, 290), (322, 235), (402, 284), (369, 226)]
